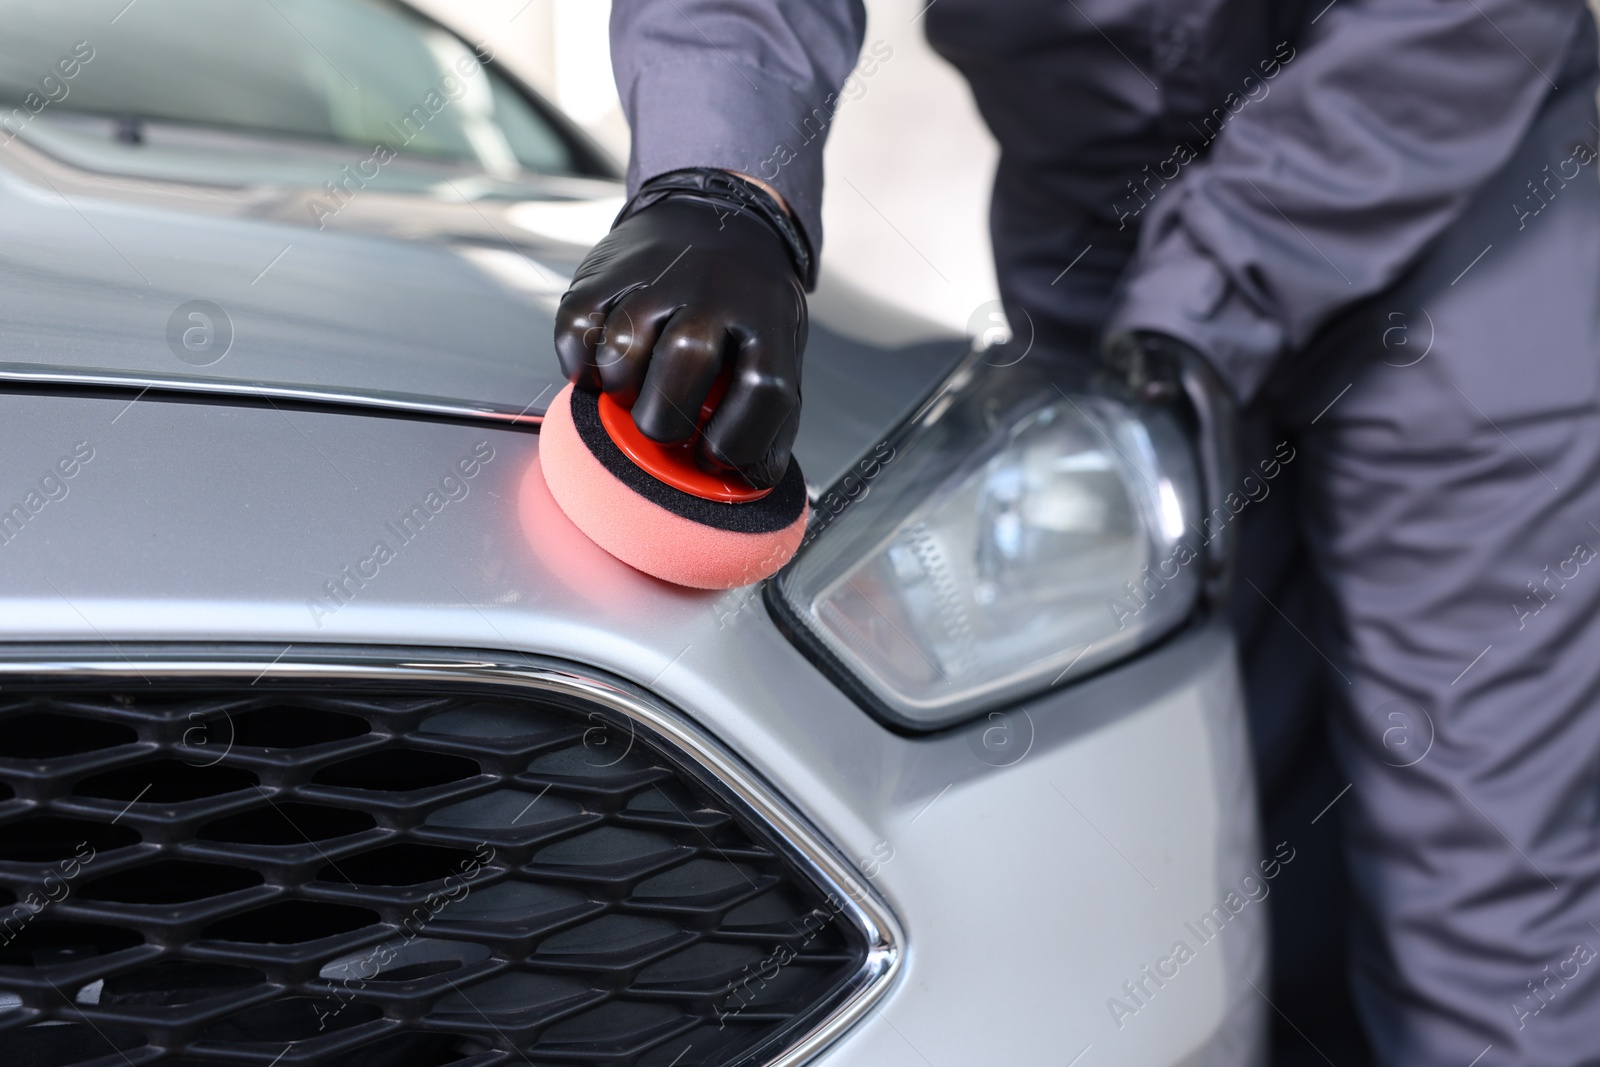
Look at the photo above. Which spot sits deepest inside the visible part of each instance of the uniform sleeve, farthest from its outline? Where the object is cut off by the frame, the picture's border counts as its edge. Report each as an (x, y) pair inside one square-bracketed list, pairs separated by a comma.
[(749, 86), (1328, 179)]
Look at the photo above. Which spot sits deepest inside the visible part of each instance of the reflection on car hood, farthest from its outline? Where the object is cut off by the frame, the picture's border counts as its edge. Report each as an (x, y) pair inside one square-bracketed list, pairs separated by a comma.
[(433, 290)]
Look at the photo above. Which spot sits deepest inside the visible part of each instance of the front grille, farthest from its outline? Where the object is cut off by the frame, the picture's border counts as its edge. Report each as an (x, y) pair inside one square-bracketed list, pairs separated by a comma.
[(213, 872)]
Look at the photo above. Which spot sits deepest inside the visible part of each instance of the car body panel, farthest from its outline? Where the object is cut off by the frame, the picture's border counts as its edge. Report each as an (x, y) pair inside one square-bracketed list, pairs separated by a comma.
[(1032, 877), (404, 299)]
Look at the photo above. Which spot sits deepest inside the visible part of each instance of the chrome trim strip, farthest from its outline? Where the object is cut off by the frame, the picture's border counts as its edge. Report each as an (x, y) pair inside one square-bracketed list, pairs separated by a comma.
[(44, 374), (806, 847)]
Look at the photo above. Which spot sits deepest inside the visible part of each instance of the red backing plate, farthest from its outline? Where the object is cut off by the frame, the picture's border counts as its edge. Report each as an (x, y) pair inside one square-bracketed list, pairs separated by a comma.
[(674, 464)]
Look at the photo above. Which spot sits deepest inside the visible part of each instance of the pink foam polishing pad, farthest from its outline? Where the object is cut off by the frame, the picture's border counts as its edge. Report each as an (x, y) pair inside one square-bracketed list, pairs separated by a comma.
[(678, 536)]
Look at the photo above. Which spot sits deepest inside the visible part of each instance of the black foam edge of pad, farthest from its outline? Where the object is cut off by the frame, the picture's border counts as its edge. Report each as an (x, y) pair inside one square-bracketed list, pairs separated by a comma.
[(773, 512)]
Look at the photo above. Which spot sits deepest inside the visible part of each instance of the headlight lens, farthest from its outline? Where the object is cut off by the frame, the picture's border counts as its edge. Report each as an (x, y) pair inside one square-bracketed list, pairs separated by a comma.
[(1016, 531)]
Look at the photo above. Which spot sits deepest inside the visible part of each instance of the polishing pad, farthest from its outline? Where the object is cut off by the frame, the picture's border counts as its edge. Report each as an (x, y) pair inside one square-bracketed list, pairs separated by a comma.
[(692, 535)]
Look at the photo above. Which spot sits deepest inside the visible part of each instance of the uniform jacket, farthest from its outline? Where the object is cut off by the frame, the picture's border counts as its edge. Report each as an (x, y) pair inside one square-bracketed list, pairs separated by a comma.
[(1242, 170)]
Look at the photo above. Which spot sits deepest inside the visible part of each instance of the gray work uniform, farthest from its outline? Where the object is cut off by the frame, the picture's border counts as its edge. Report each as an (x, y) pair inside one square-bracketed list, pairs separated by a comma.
[(1381, 220)]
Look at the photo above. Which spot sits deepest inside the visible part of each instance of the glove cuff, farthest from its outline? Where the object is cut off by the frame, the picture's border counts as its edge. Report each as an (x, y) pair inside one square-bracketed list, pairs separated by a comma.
[(728, 194)]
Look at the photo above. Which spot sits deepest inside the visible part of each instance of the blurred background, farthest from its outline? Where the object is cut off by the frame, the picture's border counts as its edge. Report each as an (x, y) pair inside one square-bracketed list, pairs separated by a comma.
[(909, 162)]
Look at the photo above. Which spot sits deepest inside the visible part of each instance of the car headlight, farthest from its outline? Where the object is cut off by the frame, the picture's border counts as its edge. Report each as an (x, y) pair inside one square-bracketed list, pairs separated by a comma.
[(1019, 529)]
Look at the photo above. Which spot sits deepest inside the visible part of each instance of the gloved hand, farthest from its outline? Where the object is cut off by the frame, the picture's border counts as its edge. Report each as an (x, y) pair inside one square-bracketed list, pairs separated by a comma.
[(1154, 366), (678, 291), (1167, 372)]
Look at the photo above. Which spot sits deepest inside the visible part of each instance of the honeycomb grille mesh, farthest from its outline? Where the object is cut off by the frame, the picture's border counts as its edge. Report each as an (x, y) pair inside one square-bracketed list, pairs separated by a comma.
[(387, 879)]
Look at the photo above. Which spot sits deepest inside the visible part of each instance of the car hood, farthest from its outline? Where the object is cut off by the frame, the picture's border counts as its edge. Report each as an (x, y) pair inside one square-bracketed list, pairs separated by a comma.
[(198, 262)]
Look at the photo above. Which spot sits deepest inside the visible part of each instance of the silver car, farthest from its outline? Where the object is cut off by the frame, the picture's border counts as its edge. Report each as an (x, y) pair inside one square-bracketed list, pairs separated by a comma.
[(325, 738)]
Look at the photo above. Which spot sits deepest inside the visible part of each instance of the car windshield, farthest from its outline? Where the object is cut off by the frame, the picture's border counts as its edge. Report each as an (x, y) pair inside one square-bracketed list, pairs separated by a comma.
[(346, 72)]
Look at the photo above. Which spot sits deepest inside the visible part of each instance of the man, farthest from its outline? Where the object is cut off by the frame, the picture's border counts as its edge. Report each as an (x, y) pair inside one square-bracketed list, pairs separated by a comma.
[(1378, 222)]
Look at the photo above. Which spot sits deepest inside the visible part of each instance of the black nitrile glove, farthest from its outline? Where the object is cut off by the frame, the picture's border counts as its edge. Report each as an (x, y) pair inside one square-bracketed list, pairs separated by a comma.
[(688, 285), (1164, 371)]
